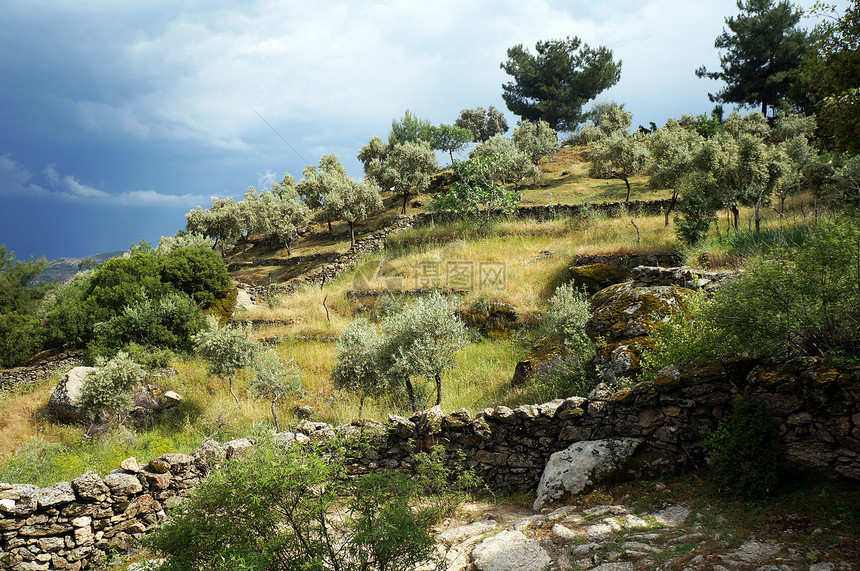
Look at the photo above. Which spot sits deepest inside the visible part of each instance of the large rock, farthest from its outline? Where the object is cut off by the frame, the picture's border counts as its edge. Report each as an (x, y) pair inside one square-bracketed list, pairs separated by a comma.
[(624, 311), (510, 551), (595, 277), (624, 316), (66, 396), (542, 352), (580, 465)]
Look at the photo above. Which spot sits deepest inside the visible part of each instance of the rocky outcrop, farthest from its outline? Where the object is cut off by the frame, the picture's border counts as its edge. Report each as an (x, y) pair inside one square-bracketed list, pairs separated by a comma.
[(543, 351), (683, 276), (623, 318), (597, 276)]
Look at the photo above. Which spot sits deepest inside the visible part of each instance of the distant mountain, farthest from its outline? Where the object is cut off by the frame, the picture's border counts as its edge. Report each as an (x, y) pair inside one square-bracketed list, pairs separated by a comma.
[(64, 269)]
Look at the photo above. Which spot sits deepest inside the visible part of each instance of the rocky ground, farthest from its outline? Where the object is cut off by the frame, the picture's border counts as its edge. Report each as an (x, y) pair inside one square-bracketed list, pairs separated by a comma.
[(667, 534)]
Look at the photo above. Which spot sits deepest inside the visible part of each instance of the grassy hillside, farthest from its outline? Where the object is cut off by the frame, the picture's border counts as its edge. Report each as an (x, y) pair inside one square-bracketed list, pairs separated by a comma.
[(304, 326)]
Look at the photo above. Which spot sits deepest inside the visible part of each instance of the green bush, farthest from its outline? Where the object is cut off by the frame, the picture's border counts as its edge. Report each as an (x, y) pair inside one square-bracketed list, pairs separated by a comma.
[(21, 336), (745, 452), (564, 376), (566, 316), (282, 508), (167, 323), (108, 388), (803, 301), (199, 272)]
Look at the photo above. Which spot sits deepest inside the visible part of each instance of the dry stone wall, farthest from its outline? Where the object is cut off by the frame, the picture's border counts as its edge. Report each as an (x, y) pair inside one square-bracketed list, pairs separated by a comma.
[(71, 524), (34, 374)]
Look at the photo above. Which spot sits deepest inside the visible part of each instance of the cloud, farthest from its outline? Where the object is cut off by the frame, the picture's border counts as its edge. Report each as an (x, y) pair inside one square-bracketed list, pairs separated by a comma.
[(16, 180)]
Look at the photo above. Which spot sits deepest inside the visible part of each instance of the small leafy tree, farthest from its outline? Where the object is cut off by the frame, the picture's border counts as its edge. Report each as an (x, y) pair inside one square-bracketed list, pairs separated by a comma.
[(404, 168), (450, 139), (274, 380), (422, 339), (536, 139), (221, 221), (108, 388), (226, 349), (671, 150), (483, 124), (518, 164), (478, 193), (359, 364), (284, 214), (620, 155)]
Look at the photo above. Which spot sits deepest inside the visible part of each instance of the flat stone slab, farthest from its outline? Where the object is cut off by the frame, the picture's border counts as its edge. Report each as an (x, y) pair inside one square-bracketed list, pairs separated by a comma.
[(510, 551)]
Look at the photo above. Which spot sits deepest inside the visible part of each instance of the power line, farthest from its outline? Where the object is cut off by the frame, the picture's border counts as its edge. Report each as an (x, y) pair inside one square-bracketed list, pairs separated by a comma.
[(283, 139)]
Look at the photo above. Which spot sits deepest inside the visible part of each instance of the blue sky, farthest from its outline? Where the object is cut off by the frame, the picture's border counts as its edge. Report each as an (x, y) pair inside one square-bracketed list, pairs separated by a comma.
[(116, 118)]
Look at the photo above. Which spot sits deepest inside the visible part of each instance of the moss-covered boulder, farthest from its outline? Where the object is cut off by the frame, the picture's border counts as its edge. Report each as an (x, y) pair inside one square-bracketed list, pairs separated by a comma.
[(621, 360), (623, 311), (544, 350), (493, 318), (595, 277), (622, 320)]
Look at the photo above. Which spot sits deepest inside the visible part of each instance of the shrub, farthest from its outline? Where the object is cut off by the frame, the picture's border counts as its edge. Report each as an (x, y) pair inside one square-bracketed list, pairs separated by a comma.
[(566, 316), (745, 452), (109, 387), (283, 509), (564, 376), (21, 336), (168, 323), (804, 301), (199, 272)]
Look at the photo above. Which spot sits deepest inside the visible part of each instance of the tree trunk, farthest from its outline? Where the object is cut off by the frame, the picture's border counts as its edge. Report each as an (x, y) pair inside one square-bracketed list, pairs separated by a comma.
[(230, 386), (405, 200), (438, 379), (671, 207), (736, 215), (351, 234), (411, 392), (627, 182), (275, 416)]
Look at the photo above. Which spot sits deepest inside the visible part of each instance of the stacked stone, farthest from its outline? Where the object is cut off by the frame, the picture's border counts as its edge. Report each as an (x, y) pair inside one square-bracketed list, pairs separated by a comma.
[(816, 406), (31, 375), (682, 276), (72, 524)]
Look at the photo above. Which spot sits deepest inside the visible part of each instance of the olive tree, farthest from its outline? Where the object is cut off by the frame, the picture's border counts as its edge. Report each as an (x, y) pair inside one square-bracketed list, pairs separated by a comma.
[(404, 169), (422, 340), (108, 388), (620, 155), (226, 349), (518, 165), (482, 124), (360, 365), (671, 150), (536, 139), (273, 379), (341, 197), (283, 214)]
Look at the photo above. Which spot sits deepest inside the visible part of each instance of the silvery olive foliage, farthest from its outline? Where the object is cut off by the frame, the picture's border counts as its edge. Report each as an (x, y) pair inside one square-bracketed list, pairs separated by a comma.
[(275, 379), (109, 387), (417, 342), (226, 349)]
